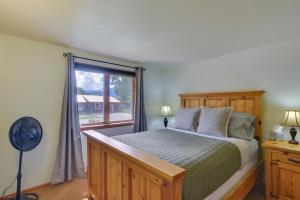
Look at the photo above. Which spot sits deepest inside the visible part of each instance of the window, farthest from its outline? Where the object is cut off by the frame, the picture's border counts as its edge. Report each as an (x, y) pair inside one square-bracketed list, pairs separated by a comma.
[(80, 106), (121, 103), (89, 93), (98, 106), (105, 97)]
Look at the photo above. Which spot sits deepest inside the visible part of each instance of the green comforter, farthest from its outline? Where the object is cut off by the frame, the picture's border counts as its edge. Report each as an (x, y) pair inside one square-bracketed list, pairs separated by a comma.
[(209, 162)]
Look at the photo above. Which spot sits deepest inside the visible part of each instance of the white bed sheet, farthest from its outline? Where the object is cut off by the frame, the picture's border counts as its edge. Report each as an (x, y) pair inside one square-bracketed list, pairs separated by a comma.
[(248, 148)]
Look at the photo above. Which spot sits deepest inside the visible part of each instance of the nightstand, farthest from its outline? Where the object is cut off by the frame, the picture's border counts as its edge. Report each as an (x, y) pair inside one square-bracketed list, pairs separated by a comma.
[(282, 170)]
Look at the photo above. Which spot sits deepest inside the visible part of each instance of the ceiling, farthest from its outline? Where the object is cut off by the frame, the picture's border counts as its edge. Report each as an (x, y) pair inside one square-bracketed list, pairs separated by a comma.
[(154, 31)]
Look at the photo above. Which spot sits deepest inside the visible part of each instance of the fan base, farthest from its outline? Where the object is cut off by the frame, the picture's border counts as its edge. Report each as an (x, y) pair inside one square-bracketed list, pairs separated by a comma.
[(30, 196)]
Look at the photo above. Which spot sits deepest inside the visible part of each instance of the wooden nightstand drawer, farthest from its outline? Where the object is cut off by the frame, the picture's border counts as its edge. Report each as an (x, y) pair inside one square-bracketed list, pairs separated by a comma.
[(285, 181), (282, 170), (286, 157)]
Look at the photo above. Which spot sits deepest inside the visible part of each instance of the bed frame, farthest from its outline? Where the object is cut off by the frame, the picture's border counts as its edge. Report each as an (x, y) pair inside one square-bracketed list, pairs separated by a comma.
[(117, 171)]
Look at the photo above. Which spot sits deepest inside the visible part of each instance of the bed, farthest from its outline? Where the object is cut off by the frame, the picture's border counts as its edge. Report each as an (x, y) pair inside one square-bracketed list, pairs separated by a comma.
[(122, 168)]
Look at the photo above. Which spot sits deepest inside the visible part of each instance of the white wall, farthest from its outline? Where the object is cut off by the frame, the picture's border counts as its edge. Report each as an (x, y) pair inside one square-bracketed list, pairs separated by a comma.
[(32, 80), (154, 95), (275, 69)]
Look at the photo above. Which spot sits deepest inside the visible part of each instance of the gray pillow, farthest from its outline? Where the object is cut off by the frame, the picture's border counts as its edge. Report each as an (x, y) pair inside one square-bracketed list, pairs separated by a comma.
[(241, 125), (187, 118), (214, 121)]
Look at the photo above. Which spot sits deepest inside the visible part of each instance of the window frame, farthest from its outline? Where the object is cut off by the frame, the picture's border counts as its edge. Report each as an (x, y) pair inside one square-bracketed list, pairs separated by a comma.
[(107, 72)]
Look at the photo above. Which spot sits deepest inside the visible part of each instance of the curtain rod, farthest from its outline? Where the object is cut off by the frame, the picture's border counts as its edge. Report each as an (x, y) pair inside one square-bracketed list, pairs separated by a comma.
[(101, 61)]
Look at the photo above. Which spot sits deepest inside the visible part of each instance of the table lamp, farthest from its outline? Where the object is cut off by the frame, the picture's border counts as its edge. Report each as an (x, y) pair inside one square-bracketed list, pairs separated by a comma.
[(292, 118), (166, 112)]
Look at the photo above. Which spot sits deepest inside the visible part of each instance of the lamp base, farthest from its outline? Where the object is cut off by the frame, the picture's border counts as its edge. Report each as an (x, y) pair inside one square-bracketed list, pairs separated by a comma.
[(166, 122), (293, 142), (293, 133)]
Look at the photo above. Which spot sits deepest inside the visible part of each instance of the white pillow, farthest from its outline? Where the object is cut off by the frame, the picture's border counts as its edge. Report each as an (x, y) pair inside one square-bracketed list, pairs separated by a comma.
[(187, 119), (214, 121), (241, 125)]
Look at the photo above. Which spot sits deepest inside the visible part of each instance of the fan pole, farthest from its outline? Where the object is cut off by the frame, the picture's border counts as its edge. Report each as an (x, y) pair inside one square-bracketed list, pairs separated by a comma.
[(19, 177)]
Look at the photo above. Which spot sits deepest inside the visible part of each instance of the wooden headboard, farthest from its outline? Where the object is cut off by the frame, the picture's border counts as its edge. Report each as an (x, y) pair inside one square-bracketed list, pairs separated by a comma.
[(247, 101)]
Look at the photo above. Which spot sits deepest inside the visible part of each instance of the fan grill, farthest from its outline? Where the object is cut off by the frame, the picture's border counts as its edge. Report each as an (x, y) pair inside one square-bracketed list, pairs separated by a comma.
[(25, 134)]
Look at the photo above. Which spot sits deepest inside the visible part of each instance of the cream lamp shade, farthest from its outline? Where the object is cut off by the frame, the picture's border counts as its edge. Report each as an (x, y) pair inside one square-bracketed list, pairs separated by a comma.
[(292, 118), (165, 111)]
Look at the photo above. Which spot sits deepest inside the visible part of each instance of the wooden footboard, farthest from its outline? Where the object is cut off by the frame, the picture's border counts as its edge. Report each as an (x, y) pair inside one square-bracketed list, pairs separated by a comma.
[(119, 172)]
